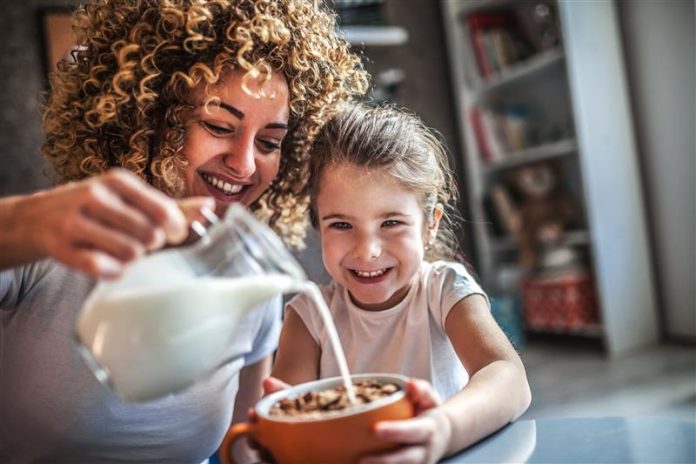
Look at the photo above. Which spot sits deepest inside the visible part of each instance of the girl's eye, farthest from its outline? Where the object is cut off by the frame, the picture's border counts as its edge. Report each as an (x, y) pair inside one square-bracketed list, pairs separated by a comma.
[(217, 130), (339, 225), (391, 223)]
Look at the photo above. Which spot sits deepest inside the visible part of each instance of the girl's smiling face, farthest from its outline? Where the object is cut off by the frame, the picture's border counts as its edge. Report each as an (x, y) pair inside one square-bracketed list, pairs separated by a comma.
[(233, 143), (372, 234)]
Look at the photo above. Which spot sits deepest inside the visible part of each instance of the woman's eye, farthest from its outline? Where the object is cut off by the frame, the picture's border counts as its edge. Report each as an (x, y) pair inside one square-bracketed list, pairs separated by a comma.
[(269, 146), (217, 130), (340, 225), (391, 223)]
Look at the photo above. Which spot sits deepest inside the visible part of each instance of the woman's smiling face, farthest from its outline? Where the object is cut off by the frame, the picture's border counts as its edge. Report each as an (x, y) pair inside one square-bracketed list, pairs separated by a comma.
[(233, 143)]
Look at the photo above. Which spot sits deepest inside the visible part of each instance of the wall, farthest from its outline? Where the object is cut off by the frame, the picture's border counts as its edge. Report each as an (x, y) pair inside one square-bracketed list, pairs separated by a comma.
[(659, 45), (21, 85)]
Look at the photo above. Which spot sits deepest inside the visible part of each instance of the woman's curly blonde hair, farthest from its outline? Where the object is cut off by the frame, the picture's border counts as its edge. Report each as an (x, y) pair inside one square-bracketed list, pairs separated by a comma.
[(121, 102)]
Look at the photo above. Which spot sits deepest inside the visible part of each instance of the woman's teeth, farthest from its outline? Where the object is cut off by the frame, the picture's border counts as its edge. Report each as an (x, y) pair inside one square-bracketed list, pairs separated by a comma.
[(370, 273), (226, 187)]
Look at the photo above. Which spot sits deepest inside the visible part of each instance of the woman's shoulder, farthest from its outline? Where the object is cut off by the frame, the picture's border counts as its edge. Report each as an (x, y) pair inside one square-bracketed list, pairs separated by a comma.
[(42, 279)]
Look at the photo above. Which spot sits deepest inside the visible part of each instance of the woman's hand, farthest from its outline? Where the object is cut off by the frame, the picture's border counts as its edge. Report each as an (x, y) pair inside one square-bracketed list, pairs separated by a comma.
[(96, 225), (424, 438)]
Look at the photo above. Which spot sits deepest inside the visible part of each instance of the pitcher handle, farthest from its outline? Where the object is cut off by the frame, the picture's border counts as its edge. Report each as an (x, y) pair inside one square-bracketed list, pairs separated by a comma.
[(235, 432)]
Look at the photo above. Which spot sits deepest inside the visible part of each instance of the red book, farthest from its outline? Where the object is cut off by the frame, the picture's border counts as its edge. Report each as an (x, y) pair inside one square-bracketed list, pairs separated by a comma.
[(478, 23), (484, 149)]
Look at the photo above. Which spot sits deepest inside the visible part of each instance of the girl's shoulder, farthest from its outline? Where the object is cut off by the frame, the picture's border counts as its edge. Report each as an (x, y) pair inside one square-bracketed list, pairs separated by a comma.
[(446, 284), (303, 300), (446, 271)]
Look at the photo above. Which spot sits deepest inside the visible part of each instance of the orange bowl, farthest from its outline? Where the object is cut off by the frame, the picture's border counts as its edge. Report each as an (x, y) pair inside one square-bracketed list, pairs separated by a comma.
[(340, 437)]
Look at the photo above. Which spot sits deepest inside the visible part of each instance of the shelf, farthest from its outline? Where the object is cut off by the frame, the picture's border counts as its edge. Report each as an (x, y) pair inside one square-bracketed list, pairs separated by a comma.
[(530, 68), (570, 238), (534, 154), (374, 35), (567, 90)]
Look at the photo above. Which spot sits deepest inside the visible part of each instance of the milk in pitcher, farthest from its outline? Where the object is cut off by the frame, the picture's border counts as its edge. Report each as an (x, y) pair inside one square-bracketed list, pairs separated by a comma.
[(149, 342)]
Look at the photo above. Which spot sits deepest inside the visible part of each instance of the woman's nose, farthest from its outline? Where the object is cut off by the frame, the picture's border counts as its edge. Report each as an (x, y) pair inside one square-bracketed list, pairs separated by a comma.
[(241, 160)]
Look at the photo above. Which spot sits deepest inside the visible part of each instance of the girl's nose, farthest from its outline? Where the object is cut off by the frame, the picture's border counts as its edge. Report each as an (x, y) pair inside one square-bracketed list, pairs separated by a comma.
[(368, 249), (241, 160)]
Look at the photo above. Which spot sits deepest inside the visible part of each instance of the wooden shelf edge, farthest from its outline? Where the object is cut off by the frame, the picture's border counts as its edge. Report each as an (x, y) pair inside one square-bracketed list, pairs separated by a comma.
[(570, 238), (533, 154), (519, 71)]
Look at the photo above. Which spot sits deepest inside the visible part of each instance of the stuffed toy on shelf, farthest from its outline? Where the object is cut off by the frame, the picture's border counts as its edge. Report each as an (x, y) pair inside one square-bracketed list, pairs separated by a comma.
[(544, 208)]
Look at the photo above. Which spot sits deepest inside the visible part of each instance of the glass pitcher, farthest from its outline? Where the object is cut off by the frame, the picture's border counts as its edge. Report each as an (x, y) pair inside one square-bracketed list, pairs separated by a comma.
[(168, 320)]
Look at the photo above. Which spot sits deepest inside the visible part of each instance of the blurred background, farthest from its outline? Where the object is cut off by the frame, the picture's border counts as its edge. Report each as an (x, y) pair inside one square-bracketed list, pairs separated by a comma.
[(570, 126)]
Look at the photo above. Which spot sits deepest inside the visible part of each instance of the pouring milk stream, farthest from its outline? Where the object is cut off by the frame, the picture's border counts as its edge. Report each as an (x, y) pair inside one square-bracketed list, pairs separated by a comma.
[(167, 321)]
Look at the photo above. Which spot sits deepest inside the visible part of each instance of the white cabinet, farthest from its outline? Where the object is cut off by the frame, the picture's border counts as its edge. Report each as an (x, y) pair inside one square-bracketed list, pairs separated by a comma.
[(572, 95)]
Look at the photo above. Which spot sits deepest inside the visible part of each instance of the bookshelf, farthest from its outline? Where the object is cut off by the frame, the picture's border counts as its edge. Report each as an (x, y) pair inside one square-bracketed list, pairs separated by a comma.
[(541, 83)]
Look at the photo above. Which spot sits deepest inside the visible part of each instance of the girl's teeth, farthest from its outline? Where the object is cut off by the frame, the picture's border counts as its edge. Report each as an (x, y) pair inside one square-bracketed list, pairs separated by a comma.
[(370, 273)]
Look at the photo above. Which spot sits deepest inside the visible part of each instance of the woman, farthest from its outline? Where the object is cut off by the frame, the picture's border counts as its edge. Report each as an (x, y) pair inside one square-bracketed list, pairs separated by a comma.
[(165, 100)]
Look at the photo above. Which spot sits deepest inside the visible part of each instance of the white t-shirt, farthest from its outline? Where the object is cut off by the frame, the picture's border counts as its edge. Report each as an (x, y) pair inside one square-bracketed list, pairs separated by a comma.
[(408, 339)]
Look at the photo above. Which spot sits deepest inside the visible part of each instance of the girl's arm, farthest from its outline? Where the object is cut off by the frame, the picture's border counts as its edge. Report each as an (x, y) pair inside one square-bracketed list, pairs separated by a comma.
[(497, 392), (297, 358)]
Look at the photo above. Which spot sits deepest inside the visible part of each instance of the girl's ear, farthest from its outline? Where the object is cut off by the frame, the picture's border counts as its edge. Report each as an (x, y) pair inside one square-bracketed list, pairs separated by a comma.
[(434, 224)]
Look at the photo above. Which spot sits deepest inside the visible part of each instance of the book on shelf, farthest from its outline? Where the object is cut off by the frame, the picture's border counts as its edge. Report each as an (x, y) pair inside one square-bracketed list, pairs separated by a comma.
[(497, 41), (501, 132), (481, 139)]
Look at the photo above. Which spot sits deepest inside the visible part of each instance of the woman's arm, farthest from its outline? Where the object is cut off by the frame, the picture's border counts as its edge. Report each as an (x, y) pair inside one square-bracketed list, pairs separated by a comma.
[(497, 392), (96, 225), (297, 358)]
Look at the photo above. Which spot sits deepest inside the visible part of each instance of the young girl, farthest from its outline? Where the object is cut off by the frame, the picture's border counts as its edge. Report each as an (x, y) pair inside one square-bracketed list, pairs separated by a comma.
[(379, 188)]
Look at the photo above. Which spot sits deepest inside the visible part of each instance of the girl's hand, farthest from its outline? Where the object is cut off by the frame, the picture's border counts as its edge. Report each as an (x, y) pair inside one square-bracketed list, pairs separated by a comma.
[(272, 385), (424, 438), (96, 225)]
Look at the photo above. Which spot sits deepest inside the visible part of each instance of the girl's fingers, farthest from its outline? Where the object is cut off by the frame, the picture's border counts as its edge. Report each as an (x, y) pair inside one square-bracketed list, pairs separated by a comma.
[(422, 394), (272, 385), (409, 431)]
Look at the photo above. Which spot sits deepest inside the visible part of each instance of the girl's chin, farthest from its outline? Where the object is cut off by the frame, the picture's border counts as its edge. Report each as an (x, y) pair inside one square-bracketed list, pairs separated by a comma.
[(370, 303)]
